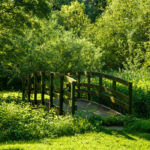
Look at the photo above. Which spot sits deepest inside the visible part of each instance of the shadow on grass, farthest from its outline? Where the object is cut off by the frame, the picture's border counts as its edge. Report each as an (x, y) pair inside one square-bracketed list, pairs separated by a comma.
[(127, 134), (22, 145), (117, 133), (126, 126)]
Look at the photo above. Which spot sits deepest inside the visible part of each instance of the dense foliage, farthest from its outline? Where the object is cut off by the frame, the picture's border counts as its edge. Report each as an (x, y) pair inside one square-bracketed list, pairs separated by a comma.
[(76, 35), (118, 37), (19, 121)]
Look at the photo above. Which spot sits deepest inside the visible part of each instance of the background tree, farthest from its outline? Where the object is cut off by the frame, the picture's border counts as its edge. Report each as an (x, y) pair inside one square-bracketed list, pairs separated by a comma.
[(122, 31), (17, 16), (73, 17)]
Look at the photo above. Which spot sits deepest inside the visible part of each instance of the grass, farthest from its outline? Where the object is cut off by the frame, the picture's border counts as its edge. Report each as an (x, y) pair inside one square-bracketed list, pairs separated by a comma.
[(111, 140), (23, 128), (18, 95), (6, 94)]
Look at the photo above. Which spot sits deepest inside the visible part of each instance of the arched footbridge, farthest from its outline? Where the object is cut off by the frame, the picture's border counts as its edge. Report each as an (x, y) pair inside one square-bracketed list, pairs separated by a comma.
[(80, 91)]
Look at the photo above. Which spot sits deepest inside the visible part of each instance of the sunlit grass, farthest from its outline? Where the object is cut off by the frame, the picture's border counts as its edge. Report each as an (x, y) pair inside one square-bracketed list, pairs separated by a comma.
[(18, 94), (6, 94), (90, 141)]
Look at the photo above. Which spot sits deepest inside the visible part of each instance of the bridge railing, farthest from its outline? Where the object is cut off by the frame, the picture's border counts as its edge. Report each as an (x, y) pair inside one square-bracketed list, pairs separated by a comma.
[(66, 89), (111, 94), (56, 85)]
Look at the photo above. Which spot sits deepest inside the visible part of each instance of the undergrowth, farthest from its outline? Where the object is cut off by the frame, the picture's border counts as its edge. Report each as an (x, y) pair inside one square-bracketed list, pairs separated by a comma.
[(21, 122)]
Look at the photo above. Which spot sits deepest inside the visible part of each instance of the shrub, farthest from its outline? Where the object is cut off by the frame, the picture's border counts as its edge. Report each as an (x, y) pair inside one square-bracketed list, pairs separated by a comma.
[(135, 124), (21, 122), (10, 99)]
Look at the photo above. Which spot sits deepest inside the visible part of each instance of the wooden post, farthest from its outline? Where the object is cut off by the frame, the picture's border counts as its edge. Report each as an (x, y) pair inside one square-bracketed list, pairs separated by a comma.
[(61, 96), (89, 82), (29, 87), (114, 86), (51, 89), (35, 88), (23, 89), (100, 88), (130, 97), (43, 87), (73, 108), (79, 80)]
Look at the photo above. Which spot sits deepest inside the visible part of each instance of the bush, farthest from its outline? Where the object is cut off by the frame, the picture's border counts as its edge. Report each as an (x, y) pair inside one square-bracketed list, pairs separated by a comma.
[(21, 122), (10, 99), (135, 124)]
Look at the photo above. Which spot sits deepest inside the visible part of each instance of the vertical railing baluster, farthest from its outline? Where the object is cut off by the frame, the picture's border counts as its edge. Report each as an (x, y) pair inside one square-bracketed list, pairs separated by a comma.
[(130, 97), (29, 87), (42, 87), (79, 81), (89, 88), (100, 88), (51, 89), (23, 88), (61, 99), (35, 88), (73, 107), (114, 87)]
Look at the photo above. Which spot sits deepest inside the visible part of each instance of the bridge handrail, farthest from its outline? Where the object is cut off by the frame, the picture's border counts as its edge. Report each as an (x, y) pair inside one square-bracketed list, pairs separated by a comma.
[(43, 88), (110, 77), (127, 99), (67, 81)]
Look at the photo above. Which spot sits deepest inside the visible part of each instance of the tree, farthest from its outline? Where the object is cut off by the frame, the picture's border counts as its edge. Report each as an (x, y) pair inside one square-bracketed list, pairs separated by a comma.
[(17, 16), (73, 18), (53, 49), (122, 31), (94, 8)]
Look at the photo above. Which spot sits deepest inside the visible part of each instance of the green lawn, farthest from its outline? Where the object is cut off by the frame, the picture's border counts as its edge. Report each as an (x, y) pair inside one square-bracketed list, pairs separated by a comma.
[(90, 141)]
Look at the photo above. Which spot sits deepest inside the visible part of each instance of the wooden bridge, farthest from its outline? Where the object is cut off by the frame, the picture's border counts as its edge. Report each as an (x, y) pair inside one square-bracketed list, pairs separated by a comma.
[(70, 90)]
